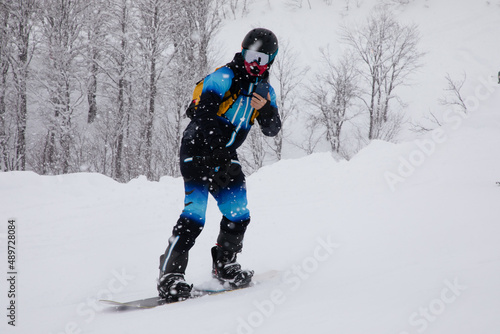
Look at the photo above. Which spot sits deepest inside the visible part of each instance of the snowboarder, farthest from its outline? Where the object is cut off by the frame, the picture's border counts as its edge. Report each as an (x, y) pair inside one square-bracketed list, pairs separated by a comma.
[(209, 162)]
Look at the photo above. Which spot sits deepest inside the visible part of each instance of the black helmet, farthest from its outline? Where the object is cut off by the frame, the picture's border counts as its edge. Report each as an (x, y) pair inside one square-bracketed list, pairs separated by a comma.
[(261, 40)]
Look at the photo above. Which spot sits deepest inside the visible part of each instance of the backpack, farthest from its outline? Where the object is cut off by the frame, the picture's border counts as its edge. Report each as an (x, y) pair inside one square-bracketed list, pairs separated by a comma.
[(227, 100)]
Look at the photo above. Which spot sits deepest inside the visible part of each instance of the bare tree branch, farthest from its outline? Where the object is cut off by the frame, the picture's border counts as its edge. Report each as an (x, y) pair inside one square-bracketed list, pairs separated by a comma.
[(454, 88)]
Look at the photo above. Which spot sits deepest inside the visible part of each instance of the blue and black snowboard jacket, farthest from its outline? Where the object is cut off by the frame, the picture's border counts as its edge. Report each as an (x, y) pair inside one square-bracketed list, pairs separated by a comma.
[(207, 130)]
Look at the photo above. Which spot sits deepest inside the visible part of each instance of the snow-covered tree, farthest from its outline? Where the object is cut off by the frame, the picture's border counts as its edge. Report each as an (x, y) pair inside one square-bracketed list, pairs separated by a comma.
[(332, 95), (388, 53), (95, 30), (17, 29), (60, 78)]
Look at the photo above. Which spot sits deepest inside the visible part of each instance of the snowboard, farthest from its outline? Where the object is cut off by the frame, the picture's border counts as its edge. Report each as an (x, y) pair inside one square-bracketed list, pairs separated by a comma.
[(158, 301), (197, 292)]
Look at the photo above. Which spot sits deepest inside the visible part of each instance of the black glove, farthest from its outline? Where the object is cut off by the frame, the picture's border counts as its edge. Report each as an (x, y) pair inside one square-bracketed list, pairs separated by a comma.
[(267, 110)]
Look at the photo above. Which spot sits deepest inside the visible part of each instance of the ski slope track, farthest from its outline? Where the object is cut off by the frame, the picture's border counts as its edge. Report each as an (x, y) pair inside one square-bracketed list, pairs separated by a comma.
[(402, 239)]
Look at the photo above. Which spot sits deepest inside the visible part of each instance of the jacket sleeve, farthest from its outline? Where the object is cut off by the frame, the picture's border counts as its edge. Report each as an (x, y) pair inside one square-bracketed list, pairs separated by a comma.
[(215, 85), (269, 118)]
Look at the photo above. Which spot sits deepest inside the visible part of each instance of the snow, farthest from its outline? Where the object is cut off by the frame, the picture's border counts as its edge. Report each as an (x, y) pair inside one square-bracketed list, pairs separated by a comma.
[(354, 254), (403, 238)]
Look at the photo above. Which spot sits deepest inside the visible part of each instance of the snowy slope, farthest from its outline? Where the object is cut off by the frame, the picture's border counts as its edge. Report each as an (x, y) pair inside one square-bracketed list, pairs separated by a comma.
[(401, 239), (356, 253)]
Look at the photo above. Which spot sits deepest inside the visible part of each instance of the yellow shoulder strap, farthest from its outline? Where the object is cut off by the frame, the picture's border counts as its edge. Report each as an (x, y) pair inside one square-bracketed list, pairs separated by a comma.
[(197, 92), (254, 116)]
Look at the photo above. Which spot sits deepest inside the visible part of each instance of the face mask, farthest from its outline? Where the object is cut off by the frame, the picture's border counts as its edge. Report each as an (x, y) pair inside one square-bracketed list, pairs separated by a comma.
[(256, 63)]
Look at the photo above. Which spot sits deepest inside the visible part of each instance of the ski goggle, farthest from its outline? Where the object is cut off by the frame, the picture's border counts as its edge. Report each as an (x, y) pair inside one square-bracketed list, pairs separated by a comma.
[(254, 56)]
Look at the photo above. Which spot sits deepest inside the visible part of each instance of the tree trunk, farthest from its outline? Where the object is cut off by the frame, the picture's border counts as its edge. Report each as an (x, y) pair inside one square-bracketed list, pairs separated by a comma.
[(118, 158), (22, 112), (92, 92), (151, 96)]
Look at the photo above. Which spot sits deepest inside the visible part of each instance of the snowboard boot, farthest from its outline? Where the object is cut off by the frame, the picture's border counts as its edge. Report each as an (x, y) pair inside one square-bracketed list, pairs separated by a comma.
[(227, 270), (171, 283), (173, 287)]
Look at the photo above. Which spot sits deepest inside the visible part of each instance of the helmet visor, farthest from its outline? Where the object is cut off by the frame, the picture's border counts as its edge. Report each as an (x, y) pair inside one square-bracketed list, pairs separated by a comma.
[(255, 56)]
